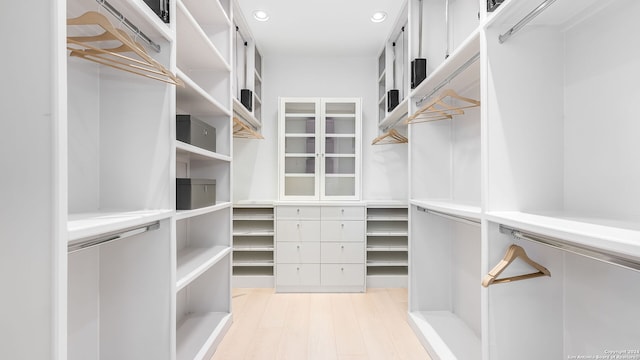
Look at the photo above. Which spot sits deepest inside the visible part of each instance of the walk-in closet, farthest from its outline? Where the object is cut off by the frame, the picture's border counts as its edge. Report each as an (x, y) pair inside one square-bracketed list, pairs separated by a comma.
[(276, 179)]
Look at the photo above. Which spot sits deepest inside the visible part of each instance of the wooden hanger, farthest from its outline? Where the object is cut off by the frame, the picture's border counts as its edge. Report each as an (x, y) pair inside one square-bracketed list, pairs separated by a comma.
[(513, 253), (241, 130), (390, 137), (438, 109), (145, 66)]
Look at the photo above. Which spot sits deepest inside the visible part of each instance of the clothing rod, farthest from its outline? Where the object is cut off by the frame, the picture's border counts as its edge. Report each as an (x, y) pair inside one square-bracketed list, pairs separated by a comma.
[(525, 20), (603, 256), (458, 218), (91, 242), (458, 71), (128, 24)]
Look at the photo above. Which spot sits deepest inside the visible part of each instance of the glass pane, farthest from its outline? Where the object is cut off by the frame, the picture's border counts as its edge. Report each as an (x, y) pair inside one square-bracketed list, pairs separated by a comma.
[(299, 186), (300, 108), (340, 165), (300, 145), (300, 165), (300, 125), (340, 186), (335, 145), (340, 108), (340, 125)]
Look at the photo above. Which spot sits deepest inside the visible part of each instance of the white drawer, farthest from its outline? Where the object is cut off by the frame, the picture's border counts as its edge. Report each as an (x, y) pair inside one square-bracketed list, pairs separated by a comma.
[(297, 252), (347, 253), (298, 212), (342, 275), (343, 231), (298, 274), (342, 213), (292, 230)]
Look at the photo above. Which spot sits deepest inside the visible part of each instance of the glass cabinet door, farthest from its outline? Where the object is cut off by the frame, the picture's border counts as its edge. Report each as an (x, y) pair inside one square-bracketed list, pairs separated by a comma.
[(301, 149), (339, 148)]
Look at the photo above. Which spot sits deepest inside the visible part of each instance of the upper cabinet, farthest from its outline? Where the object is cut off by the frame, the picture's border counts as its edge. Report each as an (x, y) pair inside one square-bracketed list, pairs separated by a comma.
[(247, 76), (319, 148)]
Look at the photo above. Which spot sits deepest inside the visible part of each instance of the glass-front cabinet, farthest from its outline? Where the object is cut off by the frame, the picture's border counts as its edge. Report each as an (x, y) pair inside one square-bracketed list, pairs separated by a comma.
[(320, 148)]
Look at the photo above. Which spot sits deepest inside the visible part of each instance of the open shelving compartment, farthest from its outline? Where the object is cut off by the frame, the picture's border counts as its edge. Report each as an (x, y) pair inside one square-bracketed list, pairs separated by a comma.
[(444, 289), (118, 171), (562, 165), (387, 245), (253, 245)]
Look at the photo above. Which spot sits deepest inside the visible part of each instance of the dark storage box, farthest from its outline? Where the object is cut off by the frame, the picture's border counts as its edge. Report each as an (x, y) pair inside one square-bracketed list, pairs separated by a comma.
[(246, 98), (160, 7), (195, 132), (195, 193), (393, 99), (493, 4), (418, 71)]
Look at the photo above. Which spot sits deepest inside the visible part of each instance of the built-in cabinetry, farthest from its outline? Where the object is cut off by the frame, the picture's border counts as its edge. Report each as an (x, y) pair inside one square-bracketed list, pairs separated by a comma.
[(247, 73), (536, 167), (387, 244), (203, 235), (253, 245), (319, 148), (320, 247)]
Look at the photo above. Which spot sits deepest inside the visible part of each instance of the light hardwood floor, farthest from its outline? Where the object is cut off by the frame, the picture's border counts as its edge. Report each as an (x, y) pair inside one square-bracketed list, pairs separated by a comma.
[(356, 326)]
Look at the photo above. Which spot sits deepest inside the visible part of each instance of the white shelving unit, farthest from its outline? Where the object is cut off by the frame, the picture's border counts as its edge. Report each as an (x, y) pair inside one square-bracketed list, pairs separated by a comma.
[(387, 245), (253, 245), (482, 181), (203, 235)]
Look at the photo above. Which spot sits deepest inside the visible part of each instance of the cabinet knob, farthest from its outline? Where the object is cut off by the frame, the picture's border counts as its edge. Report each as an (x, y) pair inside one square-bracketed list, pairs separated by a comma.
[(205, 132), (342, 269), (298, 225), (298, 210), (342, 247), (298, 247), (342, 225), (298, 268), (342, 210)]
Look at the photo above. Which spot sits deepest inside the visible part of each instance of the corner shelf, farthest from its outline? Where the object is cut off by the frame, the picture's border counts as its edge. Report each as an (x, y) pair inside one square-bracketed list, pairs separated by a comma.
[(254, 245), (387, 245)]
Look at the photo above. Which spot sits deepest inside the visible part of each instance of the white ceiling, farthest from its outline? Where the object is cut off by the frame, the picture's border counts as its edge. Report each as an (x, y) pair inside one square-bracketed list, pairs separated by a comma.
[(320, 27)]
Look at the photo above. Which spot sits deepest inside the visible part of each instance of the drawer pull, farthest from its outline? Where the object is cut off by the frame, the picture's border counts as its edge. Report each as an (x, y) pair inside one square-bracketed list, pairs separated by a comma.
[(298, 211), (298, 268), (298, 247), (342, 210), (342, 269), (342, 225), (342, 247), (298, 225)]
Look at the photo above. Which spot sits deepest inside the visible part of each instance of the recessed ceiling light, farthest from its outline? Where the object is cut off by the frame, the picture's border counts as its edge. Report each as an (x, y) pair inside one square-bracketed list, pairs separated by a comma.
[(379, 16), (260, 15)]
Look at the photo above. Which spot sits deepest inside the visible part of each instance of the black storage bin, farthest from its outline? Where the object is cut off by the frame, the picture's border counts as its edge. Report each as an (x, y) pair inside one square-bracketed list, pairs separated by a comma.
[(493, 4), (418, 71), (195, 193), (195, 132), (393, 99), (160, 7), (246, 98)]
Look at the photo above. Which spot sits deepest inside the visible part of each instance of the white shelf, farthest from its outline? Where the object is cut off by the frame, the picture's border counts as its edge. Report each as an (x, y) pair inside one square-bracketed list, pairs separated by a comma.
[(466, 51), (340, 176), (394, 118), (340, 115), (253, 217), (301, 115), (340, 135), (207, 13), (192, 262), (84, 225), (388, 248), (185, 214), (622, 238), (299, 135), (252, 232), (403, 217), (381, 263), (245, 114), (197, 101), (387, 233), (195, 50), (449, 207), (254, 248), (347, 156), (388, 271), (197, 153), (197, 333), (256, 263), (299, 155), (446, 336), (300, 175)]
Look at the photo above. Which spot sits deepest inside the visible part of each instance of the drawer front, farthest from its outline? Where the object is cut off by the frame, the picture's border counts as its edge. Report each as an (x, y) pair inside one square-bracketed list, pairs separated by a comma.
[(343, 231), (291, 230), (343, 253), (342, 212), (298, 274), (297, 252), (342, 275), (298, 212)]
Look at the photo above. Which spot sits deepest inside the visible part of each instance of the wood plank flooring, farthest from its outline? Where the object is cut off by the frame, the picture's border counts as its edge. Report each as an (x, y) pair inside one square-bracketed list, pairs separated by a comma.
[(356, 326)]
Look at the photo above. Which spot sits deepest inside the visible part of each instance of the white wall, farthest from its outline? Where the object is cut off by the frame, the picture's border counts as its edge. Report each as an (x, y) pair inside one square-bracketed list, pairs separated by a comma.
[(256, 161)]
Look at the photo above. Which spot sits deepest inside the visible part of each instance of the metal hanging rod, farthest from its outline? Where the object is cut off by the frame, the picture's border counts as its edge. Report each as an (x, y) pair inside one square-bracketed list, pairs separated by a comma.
[(599, 255), (458, 218), (129, 24), (459, 70), (95, 241), (525, 20)]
